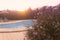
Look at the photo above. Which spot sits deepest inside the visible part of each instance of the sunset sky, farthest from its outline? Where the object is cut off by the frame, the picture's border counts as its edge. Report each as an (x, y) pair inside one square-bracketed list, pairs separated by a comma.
[(24, 4)]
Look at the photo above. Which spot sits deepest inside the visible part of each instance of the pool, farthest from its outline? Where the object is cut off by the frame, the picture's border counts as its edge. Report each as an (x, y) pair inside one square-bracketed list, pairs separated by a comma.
[(17, 24)]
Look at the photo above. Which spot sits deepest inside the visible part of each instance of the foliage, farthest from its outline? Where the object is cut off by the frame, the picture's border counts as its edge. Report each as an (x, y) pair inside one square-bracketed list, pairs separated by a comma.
[(47, 26)]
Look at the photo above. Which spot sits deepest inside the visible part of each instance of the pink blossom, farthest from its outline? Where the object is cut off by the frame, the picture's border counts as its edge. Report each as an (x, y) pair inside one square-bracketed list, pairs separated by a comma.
[(34, 33)]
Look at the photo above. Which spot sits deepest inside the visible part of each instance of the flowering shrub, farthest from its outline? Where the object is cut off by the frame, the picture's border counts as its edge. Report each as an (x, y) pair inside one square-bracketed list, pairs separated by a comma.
[(47, 27)]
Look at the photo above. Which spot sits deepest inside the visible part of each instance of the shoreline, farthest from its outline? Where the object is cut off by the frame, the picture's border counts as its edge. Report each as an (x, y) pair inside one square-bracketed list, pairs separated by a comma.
[(13, 29), (13, 35)]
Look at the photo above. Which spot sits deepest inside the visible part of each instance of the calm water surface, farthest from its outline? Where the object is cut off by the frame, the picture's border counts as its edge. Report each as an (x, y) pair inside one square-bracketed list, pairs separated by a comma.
[(18, 24)]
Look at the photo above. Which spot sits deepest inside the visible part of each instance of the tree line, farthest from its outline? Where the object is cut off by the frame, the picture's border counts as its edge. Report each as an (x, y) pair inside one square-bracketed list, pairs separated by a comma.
[(28, 14)]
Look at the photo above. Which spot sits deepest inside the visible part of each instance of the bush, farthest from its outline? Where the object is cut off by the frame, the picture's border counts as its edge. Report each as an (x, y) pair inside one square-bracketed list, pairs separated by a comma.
[(47, 27)]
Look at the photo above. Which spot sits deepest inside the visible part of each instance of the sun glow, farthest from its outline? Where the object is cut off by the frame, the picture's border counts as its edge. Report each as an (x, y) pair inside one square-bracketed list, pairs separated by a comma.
[(25, 4)]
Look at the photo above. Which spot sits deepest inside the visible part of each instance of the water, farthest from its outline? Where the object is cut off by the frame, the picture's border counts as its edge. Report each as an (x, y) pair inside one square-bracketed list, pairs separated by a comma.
[(18, 24)]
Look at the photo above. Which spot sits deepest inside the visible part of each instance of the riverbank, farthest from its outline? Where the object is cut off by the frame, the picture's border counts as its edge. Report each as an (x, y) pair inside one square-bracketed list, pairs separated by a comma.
[(7, 34), (17, 33)]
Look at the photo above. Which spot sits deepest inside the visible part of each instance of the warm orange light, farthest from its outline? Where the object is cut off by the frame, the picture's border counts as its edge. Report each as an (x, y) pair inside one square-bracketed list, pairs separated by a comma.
[(22, 13)]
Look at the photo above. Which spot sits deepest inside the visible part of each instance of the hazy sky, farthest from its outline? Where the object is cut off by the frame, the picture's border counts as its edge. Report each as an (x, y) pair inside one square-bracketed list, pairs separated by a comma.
[(24, 4)]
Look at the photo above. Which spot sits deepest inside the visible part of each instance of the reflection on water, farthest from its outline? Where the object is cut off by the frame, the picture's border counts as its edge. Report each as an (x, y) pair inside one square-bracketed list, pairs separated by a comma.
[(18, 24)]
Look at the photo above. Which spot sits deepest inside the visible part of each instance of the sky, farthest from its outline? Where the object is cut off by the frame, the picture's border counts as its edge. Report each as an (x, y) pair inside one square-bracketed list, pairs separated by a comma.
[(24, 4)]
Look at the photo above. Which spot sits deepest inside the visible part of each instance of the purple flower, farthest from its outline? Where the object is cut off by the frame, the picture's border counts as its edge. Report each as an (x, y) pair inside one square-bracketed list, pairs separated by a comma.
[(35, 33)]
